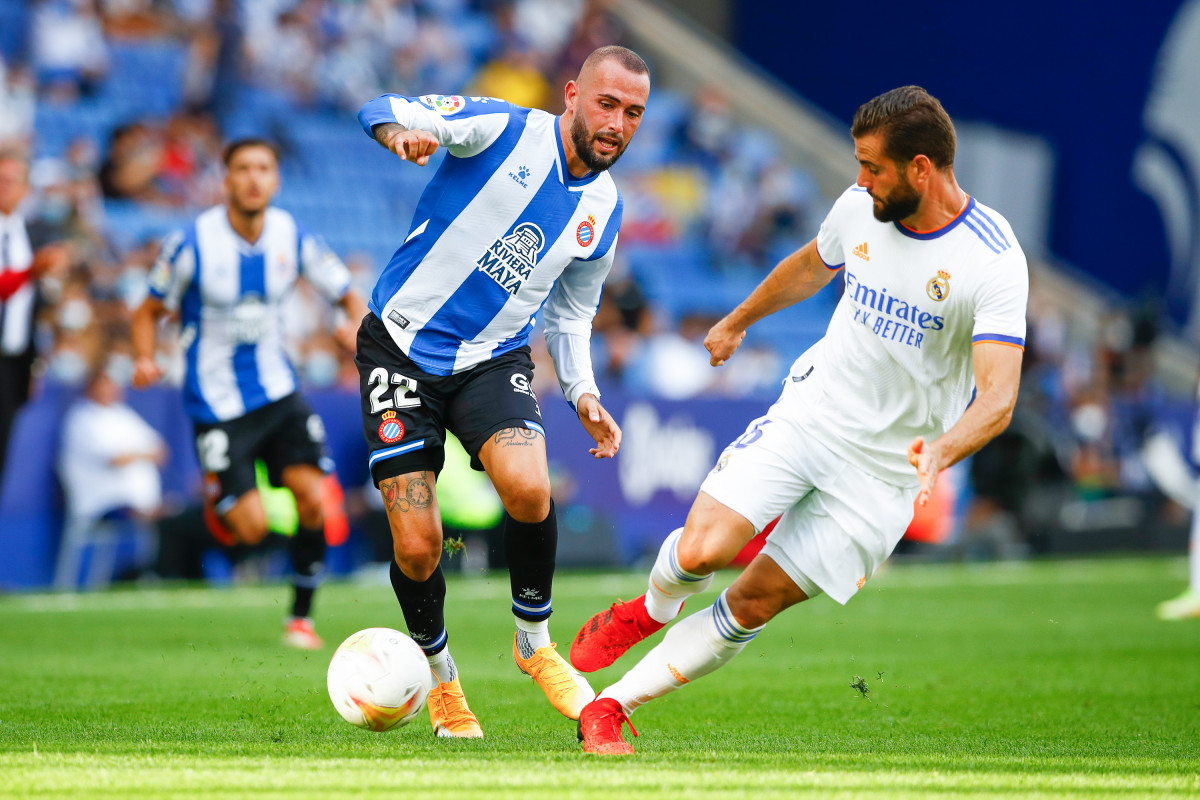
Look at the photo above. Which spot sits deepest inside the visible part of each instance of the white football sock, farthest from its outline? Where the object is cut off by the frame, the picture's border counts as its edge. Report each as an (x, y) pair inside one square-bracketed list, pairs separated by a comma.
[(443, 666), (670, 585), (691, 649), (532, 636), (1194, 554)]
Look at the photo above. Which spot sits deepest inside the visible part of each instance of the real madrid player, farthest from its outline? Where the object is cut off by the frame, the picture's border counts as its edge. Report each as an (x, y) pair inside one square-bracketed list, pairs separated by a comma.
[(521, 215), (227, 275), (918, 369)]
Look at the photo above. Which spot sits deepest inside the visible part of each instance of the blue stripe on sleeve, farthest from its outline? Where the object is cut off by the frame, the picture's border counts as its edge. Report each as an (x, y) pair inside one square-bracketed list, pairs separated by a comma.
[(994, 226), (998, 337), (982, 238)]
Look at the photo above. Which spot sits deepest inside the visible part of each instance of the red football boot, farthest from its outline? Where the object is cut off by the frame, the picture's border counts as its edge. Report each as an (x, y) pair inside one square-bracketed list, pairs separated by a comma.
[(600, 728), (609, 634)]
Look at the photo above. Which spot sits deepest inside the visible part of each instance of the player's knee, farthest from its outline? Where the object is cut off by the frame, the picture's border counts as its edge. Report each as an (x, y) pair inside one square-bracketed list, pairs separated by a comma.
[(703, 551), (417, 566), (309, 510), (751, 610), (527, 501), (248, 532)]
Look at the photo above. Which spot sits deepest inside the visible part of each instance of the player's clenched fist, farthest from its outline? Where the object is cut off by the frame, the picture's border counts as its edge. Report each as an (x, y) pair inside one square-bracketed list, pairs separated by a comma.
[(721, 341), (411, 145)]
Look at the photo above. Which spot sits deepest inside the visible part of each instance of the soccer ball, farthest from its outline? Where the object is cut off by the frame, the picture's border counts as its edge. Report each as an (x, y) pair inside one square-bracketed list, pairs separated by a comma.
[(379, 679)]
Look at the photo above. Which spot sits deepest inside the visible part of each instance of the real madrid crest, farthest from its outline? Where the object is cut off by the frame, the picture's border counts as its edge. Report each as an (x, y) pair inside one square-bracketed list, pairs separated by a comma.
[(391, 429), (938, 287)]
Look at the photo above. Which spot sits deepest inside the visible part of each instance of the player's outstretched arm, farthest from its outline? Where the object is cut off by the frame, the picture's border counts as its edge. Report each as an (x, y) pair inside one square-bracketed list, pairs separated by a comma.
[(143, 335), (797, 277), (600, 425), (997, 379), (411, 145)]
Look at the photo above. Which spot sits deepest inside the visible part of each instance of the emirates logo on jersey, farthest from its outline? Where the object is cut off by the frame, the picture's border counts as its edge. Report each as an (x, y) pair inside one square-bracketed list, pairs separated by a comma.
[(510, 260)]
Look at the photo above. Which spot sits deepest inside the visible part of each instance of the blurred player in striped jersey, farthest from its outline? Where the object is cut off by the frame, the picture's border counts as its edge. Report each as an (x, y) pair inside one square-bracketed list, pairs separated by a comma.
[(226, 275), (522, 214), (919, 368)]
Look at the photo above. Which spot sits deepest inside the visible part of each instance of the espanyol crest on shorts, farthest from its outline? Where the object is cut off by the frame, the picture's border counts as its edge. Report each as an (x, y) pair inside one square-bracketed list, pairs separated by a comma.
[(391, 429)]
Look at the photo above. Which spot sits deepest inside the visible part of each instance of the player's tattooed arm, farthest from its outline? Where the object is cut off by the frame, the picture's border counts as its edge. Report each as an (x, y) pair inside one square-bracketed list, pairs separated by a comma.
[(515, 437), (410, 144), (406, 493), (385, 130)]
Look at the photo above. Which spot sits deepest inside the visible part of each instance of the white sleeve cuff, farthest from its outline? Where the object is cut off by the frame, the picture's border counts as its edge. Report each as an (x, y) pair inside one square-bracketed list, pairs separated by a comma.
[(572, 357)]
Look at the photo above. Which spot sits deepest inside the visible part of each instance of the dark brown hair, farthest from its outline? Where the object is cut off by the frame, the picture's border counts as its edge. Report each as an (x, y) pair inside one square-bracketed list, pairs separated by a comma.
[(233, 147), (912, 122)]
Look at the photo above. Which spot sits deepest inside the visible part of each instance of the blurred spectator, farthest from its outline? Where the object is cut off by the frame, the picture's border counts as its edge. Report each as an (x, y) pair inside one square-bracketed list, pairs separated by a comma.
[(188, 173), (109, 466), (282, 53), (131, 169), (623, 320), (69, 51), (24, 259), (110, 456), (17, 104), (674, 364)]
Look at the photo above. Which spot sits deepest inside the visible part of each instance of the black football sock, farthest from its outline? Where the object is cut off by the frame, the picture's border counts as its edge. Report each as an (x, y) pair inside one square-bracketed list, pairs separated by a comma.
[(307, 549), (423, 604), (530, 548)]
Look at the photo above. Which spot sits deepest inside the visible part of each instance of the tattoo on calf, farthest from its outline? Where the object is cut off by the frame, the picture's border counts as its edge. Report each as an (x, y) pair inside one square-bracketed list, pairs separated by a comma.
[(416, 494), (515, 437)]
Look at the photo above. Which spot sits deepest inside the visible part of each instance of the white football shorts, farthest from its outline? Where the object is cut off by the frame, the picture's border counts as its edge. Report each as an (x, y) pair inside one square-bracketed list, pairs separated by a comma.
[(839, 523)]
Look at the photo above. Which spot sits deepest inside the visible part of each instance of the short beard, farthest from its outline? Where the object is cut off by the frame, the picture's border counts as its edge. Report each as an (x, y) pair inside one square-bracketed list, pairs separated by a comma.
[(903, 203), (583, 148)]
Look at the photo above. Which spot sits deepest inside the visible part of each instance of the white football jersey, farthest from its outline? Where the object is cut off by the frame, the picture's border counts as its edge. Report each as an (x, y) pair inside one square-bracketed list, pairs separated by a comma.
[(501, 229), (895, 362), (229, 295)]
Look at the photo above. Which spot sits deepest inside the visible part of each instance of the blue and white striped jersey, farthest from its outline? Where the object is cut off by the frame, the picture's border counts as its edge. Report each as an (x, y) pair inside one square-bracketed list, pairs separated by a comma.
[(228, 293), (501, 230)]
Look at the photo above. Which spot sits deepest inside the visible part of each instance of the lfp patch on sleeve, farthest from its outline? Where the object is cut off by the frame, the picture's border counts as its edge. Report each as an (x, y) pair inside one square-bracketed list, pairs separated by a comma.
[(444, 104)]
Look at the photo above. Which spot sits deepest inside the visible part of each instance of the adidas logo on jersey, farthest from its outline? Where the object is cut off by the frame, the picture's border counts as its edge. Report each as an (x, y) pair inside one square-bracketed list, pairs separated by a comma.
[(861, 252)]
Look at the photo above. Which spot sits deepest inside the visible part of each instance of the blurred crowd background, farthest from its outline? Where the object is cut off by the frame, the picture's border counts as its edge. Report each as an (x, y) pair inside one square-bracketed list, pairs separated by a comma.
[(122, 107)]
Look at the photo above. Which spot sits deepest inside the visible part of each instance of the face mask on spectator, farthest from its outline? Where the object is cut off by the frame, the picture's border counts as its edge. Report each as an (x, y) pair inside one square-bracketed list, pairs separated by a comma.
[(67, 366), (120, 370), (75, 315), (54, 209)]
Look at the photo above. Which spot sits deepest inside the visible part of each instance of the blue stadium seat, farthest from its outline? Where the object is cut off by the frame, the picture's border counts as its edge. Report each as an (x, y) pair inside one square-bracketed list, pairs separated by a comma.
[(14, 23)]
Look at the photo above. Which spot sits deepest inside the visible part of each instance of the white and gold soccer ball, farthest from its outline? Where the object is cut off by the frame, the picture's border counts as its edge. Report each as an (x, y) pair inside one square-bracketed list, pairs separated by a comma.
[(379, 679)]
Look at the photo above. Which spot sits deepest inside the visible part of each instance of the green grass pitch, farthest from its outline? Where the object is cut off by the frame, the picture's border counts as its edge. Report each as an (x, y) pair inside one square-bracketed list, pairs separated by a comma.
[(1048, 679)]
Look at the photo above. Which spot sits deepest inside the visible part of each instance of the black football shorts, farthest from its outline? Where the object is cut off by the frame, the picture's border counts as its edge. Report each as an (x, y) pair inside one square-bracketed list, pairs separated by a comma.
[(407, 411), (281, 433)]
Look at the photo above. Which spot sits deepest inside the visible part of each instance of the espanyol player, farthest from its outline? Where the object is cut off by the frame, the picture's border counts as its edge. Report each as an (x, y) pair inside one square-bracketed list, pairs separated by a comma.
[(918, 369), (521, 214), (227, 275)]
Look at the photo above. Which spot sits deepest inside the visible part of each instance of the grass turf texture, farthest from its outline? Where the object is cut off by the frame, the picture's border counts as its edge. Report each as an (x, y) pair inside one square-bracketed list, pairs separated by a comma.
[(1032, 680)]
